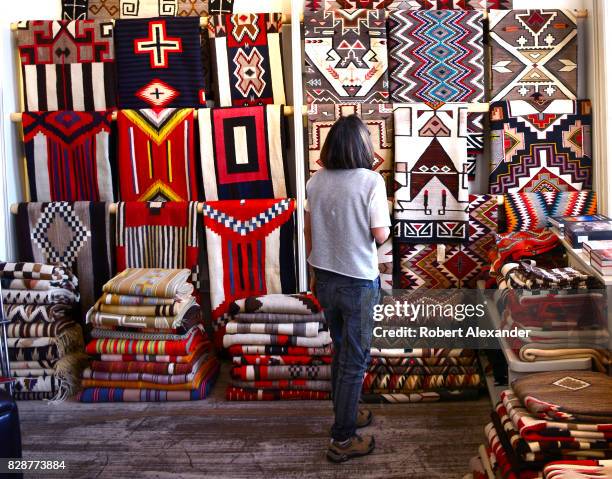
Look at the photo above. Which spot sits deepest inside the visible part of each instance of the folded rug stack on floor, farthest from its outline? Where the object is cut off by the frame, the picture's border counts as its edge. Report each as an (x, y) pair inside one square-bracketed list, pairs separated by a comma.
[(149, 342), (45, 342), (549, 417), (561, 309), (421, 375), (280, 349)]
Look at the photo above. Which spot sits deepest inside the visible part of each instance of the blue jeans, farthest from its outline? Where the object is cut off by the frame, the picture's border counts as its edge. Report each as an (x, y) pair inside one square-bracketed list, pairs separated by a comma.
[(348, 304)]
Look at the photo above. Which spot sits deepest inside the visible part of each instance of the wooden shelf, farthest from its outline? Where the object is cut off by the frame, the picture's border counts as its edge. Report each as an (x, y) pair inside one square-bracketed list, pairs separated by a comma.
[(581, 260)]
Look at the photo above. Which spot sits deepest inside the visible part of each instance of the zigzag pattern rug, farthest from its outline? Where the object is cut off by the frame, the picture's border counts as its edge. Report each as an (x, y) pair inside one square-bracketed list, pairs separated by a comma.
[(534, 53), (346, 56), (436, 56), (530, 211), (391, 5), (540, 146)]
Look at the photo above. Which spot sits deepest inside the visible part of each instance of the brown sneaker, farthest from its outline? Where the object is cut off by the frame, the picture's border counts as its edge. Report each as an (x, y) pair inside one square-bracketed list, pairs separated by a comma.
[(356, 446), (364, 418)]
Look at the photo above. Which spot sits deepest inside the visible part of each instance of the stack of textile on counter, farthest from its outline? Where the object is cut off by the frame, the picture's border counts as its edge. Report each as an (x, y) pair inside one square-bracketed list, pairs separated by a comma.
[(280, 349), (578, 470), (559, 309), (421, 375), (149, 343), (550, 417), (45, 343)]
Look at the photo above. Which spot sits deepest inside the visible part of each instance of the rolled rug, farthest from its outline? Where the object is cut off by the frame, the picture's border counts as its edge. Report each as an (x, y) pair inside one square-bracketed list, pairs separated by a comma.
[(279, 318), (239, 394), (286, 384), (581, 396), (112, 394), (31, 313), (187, 311), (71, 284), (34, 271), (22, 329), (292, 329), (323, 338), (280, 360), (256, 373), (49, 296), (302, 303), (47, 353), (151, 282)]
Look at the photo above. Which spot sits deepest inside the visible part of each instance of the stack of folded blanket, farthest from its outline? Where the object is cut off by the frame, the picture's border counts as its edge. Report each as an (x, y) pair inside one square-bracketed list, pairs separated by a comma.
[(564, 319), (421, 375), (45, 342), (280, 349), (149, 343), (546, 418)]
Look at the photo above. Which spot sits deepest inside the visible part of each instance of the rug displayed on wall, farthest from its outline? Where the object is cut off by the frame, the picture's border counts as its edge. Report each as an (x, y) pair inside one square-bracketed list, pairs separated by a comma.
[(390, 5), (431, 180), (436, 55), (105, 9), (250, 250), (540, 146), (346, 56), (247, 56), (534, 53), (452, 266), (377, 117), (67, 155), (157, 155), (530, 211), (220, 6), (76, 235), (67, 65), (157, 235), (242, 152), (159, 63)]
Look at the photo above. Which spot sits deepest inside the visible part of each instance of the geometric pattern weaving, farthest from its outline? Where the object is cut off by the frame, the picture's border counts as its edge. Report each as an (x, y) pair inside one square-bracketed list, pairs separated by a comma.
[(392, 5), (76, 235), (346, 56), (157, 155), (447, 266), (250, 252), (67, 155), (67, 65), (540, 146), (431, 197), (377, 117), (436, 56), (530, 211), (534, 54), (242, 152), (247, 58), (106, 9), (159, 63)]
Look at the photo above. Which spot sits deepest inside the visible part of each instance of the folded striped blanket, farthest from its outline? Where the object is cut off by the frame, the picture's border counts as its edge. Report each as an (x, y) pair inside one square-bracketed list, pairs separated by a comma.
[(582, 396), (422, 370), (31, 313), (578, 470), (141, 367), (99, 333), (21, 329), (279, 318), (93, 395), (35, 364), (30, 373), (128, 300), (437, 361), (502, 464), (171, 309), (534, 429), (239, 394), (296, 329), (71, 284), (425, 396), (322, 339), (601, 358), (406, 383), (255, 373), (49, 296), (134, 346), (34, 271), (421, 353), (147, 377), (243, 349), (188, 310), (151, 282), (36, 384), (302, 303), (269, 360), (197, 377), (198, 350), (67, 339), (286, 384)]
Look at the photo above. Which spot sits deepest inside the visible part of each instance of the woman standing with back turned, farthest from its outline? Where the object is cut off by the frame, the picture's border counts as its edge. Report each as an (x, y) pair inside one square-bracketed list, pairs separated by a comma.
[(346, 215)]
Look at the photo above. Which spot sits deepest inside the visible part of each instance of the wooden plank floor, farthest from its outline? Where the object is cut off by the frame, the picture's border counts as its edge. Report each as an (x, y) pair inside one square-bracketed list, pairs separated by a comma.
[(219, 439)]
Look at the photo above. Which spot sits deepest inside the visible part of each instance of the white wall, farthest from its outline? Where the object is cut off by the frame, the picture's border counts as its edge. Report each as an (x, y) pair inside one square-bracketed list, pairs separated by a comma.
[(11, 149)]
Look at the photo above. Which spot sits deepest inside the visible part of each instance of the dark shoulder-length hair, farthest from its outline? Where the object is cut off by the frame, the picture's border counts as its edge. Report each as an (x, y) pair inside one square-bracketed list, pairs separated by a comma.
[(348, 145)]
